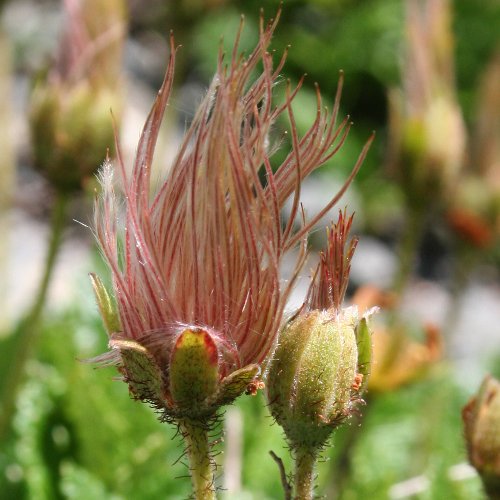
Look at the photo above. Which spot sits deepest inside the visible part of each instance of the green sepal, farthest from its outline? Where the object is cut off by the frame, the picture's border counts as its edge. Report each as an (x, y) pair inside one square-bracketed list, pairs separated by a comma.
[(365, 351), (107, 306), (292, 342), (194, 370), (324, 380), (234, 385), (141, 371)]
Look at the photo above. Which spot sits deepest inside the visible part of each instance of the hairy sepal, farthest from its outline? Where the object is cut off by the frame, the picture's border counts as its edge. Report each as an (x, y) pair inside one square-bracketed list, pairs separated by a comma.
[(107, 306), (312, 379)]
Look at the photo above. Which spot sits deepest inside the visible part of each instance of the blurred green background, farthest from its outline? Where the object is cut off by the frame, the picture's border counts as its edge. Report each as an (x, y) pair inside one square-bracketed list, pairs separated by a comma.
[(74, 432)]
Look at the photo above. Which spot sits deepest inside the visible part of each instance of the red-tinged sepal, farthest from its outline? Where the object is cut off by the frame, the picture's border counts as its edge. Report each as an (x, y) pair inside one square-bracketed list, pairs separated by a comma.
[(235, 384)]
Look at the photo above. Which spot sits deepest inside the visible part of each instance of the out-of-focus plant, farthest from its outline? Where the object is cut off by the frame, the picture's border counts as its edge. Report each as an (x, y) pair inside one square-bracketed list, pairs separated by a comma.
[(427, 134), (398, 359), (71, 129), (70, 120), (7, 165), (196, 264), (474, 214), (481, 417), (321, 365)]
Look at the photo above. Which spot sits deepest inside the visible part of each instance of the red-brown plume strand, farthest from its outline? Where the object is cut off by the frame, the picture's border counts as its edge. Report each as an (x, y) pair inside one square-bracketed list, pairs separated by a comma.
[(331, 278)]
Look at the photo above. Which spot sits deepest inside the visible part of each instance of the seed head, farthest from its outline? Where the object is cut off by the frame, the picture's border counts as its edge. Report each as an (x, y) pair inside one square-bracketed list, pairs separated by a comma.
[(196, 262)]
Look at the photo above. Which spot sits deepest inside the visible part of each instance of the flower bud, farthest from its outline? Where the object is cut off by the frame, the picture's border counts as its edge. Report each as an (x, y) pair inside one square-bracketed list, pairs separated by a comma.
[(70, 122), (322, 361), (318, 373), (481, 417), (426, 128), (474, 215), (181, 372), (188, 383), (71, 130)]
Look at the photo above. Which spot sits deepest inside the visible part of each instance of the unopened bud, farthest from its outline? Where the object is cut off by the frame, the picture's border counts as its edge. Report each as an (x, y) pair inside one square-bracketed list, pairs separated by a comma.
[(71, 130), (481, 417), (318, 373), (190, 381)]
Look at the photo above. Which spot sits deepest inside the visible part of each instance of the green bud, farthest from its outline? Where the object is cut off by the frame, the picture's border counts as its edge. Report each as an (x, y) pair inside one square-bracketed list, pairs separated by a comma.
[(319, 369), (71, 129), (189, 383), (194, 369), (481, 417)]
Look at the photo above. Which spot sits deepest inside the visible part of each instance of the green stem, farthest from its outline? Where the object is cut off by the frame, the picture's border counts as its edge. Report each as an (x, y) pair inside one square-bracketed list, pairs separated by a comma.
[(408, 250), (58, 221), (305, 462), (25, 334), (465, 262), (200, 463)]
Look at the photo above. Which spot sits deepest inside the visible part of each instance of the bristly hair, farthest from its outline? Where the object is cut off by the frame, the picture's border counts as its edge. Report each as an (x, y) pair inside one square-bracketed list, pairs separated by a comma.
[(331, 278), (205, 249)]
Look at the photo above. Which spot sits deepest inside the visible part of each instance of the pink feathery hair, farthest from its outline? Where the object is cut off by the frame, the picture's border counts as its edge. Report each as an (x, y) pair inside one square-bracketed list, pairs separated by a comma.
[(331, 278), (204, 250)]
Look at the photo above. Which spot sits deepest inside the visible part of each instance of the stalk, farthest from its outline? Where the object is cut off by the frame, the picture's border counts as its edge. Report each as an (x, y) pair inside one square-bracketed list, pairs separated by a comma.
[(28, 328), (56, 230), (201, 466), (305, 463), (408, 250)]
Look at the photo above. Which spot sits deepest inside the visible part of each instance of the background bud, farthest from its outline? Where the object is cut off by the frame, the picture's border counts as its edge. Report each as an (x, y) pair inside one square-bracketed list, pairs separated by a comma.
[(481, 417), (71, 130), (426, 128), (70, 120)]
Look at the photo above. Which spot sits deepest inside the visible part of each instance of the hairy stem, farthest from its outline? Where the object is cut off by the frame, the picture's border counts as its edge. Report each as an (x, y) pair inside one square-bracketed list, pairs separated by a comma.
[(305, 462), (25, 334), (200, 463)]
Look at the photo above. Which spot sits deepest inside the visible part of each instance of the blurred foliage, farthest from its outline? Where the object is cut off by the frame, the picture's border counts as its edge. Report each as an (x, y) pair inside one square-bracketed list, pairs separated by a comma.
[(77, 434)]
